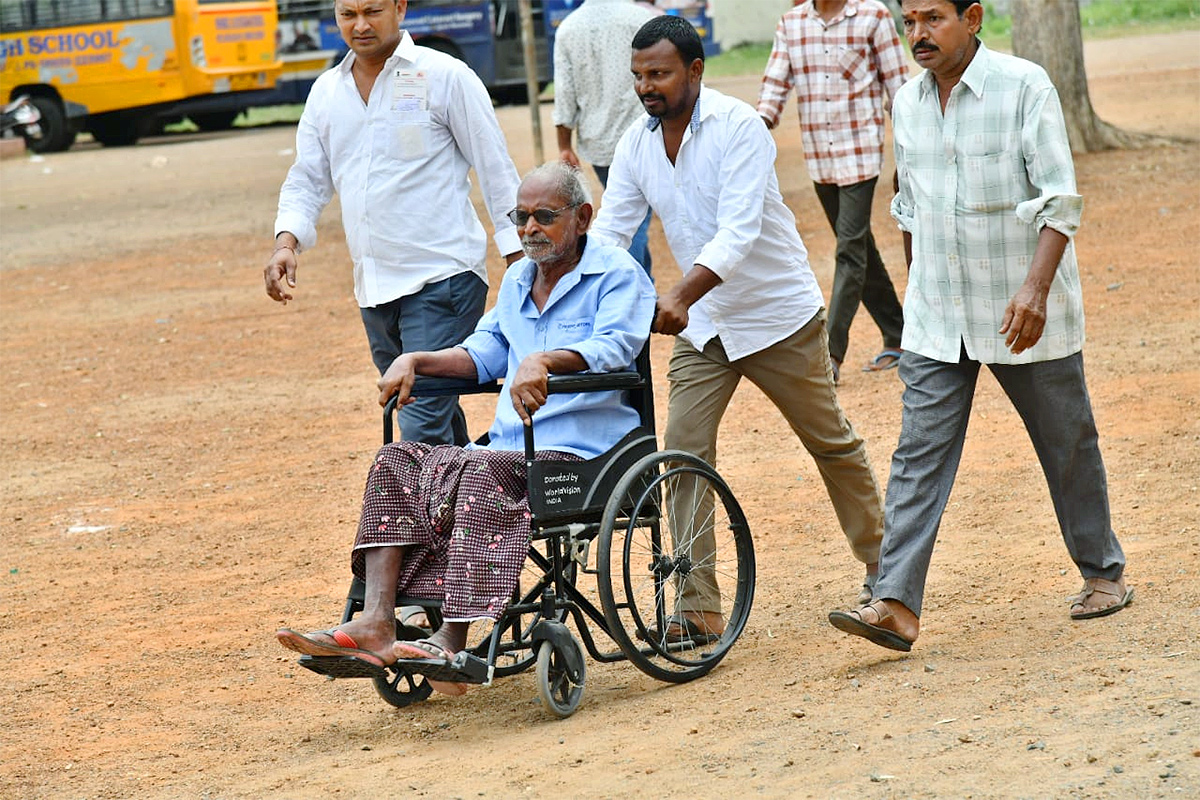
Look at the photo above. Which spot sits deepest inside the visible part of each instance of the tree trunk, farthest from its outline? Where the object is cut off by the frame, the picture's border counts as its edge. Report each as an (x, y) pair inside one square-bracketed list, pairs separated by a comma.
[(1048, 32)]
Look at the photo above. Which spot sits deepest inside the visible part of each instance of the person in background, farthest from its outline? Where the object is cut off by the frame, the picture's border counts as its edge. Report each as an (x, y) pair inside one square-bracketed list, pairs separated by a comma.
[(845, 62), (592, 95)]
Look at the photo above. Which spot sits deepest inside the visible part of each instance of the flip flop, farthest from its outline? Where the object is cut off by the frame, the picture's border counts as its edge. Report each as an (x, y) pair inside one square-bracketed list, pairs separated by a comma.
[(345, 645), (425, 650), (1100, 586), (892, 353), (852, 622)]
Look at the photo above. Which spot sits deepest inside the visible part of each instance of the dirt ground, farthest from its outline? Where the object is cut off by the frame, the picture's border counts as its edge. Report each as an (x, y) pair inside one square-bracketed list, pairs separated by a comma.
[(183, 461)]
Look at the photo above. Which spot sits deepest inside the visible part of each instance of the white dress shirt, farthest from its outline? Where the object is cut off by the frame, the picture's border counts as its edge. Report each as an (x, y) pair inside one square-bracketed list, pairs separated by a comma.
[(978, 183), (593, 88), (399, 164), (721, 208)]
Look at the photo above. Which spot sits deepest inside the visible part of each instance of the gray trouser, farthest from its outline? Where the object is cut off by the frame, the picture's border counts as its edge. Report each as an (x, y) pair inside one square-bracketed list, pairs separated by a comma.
[(1052, 399), (859, 275), (441, 315)]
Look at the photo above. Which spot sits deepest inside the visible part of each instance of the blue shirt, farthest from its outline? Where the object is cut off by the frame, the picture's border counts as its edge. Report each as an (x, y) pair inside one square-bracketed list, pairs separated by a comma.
[(601, 310)]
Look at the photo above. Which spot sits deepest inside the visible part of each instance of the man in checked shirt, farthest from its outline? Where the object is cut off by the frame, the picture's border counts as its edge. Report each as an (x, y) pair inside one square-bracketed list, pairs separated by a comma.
[(989, 209), (843, 57)]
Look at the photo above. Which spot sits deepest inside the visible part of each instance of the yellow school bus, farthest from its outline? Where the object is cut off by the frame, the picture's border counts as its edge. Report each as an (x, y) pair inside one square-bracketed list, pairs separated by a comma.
[(122, 68)]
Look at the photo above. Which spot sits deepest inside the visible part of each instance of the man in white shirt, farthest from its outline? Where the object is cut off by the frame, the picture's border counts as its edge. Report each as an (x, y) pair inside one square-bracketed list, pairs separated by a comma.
[(592, 95), (989, 207), (393, 130), (748, 303)]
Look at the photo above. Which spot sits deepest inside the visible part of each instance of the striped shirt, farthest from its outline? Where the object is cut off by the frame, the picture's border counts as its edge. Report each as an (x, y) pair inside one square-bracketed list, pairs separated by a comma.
[(840, 70), (977, 184)]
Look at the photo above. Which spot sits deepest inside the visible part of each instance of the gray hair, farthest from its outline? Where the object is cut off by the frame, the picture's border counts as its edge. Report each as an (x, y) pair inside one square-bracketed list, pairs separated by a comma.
[(567, 180)]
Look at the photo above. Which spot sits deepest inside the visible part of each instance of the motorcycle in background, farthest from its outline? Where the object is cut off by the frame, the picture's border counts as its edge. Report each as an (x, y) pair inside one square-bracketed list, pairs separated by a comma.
[(21, 117)]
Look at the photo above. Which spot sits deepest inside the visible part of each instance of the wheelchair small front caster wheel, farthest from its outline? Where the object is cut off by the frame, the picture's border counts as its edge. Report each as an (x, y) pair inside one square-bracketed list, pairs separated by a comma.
[(402, 689), (560, 692)]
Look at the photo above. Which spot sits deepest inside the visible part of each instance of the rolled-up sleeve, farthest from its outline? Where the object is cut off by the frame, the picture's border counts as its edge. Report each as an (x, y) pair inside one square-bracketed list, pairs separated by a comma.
[(308, 187), (749, 161), (1050, 168), (623, 316)]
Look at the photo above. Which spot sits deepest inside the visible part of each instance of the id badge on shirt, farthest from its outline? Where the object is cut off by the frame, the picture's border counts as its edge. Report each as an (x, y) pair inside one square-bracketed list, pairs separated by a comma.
[(410, 90)]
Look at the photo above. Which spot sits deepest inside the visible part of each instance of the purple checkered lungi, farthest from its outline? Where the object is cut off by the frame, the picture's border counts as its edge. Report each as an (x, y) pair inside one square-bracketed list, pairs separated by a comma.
[(463, 517)]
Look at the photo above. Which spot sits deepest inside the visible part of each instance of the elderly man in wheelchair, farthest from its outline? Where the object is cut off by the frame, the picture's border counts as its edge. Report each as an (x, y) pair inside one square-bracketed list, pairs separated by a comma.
[(453, 523)]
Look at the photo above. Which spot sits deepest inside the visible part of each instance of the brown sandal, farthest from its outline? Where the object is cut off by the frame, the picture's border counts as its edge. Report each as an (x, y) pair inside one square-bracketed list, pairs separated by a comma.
[(1089, 603), (852, 622)]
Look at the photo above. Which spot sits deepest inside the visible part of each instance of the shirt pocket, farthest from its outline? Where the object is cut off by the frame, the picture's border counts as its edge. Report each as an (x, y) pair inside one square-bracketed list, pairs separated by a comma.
[(853, 63), (409, 134), (992, 182)]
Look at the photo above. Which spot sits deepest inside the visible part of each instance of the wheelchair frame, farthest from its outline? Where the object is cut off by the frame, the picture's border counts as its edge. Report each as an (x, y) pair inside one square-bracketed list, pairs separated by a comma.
[(622, 512)]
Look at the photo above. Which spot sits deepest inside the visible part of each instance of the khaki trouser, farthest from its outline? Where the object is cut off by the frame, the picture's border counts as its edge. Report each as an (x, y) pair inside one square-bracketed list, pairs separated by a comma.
[(796, 375)]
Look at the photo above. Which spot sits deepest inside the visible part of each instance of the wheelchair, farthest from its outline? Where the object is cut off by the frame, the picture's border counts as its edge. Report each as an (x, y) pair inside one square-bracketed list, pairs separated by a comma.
[(631, 519)]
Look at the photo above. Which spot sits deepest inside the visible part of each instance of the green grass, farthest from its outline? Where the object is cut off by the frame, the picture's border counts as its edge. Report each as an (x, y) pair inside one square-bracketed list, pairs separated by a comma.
[(744, 59)]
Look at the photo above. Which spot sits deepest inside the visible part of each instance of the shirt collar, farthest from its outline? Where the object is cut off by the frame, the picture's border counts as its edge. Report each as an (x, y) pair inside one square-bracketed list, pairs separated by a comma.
[(973, 77), (406, 49), (653, 122)]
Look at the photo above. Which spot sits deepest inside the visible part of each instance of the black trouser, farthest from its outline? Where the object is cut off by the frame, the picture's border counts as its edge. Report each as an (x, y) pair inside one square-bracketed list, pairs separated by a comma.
[(860, 276)]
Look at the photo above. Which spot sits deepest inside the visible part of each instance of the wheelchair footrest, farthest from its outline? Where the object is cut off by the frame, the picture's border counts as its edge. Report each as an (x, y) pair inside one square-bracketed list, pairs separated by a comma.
[(342, 667), (463, 668)]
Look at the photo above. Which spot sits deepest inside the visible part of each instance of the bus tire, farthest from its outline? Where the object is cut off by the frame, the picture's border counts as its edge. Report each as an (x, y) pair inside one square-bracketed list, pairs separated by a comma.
[(115, 129), (215, 120), (57, 133)]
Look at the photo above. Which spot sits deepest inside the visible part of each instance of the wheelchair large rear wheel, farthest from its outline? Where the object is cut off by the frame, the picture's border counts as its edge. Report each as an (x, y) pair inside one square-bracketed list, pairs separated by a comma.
[(672, 531)]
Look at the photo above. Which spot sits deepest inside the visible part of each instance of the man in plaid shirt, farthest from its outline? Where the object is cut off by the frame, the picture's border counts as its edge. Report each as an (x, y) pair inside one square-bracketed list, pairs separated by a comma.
[(843, 57)]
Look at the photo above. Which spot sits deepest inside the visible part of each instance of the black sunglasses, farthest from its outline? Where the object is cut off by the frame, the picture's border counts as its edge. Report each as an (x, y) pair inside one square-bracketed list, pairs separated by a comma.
[(544, 216)]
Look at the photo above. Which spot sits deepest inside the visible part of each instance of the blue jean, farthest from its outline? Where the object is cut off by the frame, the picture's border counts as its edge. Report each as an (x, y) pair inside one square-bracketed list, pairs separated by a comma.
[(1052, 400), (639, 248), (440, 315)]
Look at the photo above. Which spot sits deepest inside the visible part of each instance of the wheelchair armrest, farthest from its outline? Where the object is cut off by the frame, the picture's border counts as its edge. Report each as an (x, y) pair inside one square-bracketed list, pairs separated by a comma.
[(593, 382), (436, 387)]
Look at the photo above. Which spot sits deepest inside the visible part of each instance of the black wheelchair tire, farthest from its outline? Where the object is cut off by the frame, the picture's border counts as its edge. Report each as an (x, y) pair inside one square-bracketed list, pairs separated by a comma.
[(559, 694), (630, 509)]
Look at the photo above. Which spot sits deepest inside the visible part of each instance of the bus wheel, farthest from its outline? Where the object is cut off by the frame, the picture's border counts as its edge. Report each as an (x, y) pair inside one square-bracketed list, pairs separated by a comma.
[(57, 133), (215, 120), (116, 129)]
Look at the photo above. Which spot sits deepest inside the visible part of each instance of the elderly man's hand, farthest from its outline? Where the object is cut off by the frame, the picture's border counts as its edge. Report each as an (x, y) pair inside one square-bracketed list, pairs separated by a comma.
[(529, 387), (398, 380)]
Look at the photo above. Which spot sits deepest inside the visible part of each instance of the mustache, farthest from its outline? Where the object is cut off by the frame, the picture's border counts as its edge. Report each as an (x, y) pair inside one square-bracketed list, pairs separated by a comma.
[(924, 46), (650, 97), (535, 240)]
